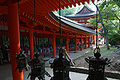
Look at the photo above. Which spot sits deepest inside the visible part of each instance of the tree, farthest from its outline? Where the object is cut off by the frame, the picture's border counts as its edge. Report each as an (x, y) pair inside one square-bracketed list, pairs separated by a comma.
[(110, 14), (117, 2), (66, 11)]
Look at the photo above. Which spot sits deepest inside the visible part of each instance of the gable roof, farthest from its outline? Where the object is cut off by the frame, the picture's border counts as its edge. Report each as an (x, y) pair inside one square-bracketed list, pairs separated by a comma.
[(84, 12)]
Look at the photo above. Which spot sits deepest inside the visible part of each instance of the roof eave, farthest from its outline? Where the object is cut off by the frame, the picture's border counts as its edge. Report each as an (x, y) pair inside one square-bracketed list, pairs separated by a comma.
[(71, 24)]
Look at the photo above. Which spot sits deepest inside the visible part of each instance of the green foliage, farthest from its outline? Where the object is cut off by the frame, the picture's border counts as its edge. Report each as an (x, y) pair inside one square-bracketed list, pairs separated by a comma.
[(66, 11), (110, 13), (93, 22), (70, 11), (117, 2), (103, 51), (114, 38)]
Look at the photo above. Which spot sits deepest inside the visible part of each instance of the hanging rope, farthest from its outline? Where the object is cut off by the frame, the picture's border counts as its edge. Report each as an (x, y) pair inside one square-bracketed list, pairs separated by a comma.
[(60, 25), (19, 19), (21, 59), (35, 26), (3, 29), (96, 30), (97, 49), (34, 16), (18, 7)]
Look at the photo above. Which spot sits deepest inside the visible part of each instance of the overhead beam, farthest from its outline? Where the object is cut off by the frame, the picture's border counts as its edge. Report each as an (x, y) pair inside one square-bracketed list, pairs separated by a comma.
[(3, 10)]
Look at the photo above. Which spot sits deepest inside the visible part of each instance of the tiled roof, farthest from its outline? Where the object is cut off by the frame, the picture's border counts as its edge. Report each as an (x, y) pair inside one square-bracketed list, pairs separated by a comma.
[(72, 24), (84, 12)]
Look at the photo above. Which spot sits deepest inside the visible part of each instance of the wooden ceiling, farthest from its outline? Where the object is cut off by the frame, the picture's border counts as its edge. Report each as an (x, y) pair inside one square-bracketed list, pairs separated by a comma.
[(42, 8)]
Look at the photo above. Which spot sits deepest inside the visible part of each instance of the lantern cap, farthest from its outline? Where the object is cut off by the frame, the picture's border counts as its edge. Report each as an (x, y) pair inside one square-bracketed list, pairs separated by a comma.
[(97, 52)]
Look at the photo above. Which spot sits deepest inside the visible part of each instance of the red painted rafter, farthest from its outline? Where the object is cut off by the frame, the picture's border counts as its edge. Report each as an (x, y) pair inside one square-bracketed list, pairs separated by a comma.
[(61, 3), (53, 4), (72, 3), (67, 3), (3, 10), (56, 2), (47, 6), (28, 7)]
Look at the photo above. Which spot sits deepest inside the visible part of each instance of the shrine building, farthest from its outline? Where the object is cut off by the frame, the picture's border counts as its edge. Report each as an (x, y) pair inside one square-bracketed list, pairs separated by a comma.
[(83, 16), (34, 19)]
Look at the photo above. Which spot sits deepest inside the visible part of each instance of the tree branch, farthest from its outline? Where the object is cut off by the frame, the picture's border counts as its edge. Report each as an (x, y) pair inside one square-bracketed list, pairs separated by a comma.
[(117, 17), (107, 43)]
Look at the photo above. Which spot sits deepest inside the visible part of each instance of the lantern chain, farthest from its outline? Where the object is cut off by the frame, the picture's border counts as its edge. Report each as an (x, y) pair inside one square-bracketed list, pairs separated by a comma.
[(35, 26), (60, 25), (96, 29)]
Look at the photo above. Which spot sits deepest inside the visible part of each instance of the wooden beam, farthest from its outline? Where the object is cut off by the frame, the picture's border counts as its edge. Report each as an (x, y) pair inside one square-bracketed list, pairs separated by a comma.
[(109, 74), (3, 10)]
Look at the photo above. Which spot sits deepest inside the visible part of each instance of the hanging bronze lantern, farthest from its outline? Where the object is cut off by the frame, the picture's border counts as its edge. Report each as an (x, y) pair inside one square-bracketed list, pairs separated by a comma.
[(22, 63), (97, 63), (60, 67), (37, 68), (97, 66)]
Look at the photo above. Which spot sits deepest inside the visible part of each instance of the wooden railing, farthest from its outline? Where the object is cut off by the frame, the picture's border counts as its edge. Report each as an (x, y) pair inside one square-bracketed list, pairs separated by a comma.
[(109, 74)]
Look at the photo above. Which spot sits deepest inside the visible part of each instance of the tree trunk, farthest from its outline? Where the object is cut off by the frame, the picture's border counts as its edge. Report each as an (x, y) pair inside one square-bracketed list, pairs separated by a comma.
[(106, 39)]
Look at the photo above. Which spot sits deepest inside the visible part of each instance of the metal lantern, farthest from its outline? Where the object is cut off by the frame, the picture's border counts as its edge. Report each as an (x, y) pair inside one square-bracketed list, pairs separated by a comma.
[(37, 68), (60, 67), (97, 66), (22, 63)]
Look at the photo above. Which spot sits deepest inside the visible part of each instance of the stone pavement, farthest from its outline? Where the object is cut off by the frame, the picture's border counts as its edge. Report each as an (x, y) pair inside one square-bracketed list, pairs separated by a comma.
[(72, 55)]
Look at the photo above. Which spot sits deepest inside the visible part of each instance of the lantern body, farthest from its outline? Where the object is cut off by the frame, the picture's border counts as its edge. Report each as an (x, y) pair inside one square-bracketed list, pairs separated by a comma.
[(22, 63), (37, 69), (60, 68), (96, 68)]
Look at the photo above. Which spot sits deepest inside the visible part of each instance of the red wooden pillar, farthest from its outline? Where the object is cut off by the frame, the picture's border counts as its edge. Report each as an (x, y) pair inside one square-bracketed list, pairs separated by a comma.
[(54, 45), (91, 40), (61, 42), (75, 44), (67, 45), (14, 38), (37, 40), (36, 43), (81, 43), (31, 42), (94, 38), (49, 41), (85, 42), (21, 39), (88, 41)]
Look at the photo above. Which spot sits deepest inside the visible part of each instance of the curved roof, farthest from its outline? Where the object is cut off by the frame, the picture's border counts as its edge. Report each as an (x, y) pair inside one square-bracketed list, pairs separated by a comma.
[(84, 12), (72, 24)]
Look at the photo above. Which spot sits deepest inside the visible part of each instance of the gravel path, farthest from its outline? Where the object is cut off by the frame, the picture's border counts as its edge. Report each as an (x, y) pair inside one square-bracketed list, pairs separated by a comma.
[(114, 66)]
